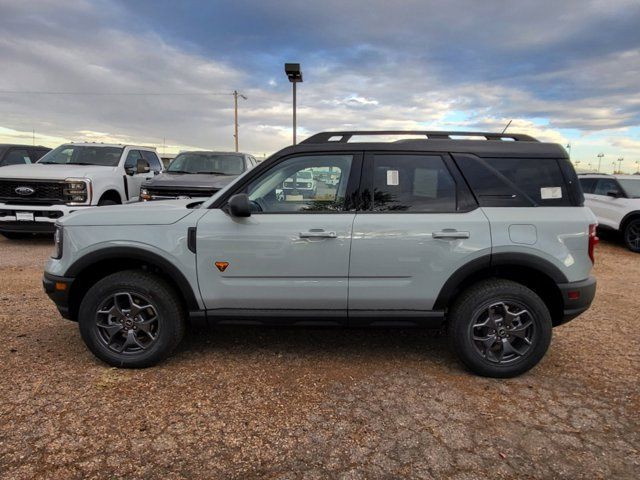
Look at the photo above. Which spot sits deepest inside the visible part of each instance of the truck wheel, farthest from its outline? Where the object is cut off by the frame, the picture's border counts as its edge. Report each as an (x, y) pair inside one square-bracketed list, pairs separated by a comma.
[(131, 319), (499, 328), (107, 202), (632, 235)]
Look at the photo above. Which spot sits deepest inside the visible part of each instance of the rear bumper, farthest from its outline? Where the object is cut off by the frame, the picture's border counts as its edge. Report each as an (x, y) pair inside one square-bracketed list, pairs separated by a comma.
[(577, 298), (58, 288)]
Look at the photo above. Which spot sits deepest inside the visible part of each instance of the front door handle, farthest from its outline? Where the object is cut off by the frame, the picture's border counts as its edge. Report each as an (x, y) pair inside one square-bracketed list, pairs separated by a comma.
[(450, 233), (318, 234)]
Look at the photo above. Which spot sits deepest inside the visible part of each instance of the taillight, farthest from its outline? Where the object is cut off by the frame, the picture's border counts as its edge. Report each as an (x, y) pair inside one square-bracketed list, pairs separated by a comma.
[(593, 241)]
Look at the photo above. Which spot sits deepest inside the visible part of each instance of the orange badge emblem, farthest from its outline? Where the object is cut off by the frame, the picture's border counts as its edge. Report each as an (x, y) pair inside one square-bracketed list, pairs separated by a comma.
[(222, 266)]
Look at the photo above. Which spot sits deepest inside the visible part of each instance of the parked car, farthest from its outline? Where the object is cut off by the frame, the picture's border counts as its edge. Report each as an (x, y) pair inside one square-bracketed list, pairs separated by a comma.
[(489, 238), (615, 200), (72, 177), (20, 154), (196, 174), (301, 183)]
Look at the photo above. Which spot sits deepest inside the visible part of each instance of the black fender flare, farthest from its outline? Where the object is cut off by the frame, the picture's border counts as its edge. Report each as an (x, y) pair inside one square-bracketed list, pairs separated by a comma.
[(486, 262), (134, 253)]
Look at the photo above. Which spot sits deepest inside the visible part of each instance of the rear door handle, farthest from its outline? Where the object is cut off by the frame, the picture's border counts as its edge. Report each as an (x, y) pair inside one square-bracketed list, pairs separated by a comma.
[(450, 234), (318, 234)]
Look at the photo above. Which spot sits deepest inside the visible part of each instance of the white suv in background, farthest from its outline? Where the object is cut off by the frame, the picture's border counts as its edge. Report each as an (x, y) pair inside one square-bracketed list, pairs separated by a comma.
[(70, 177), (615, 200)]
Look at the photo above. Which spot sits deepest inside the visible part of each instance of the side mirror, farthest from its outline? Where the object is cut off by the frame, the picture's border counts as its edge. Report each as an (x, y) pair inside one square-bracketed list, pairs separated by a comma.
[(129, 171), (614, 194), (240, 205)]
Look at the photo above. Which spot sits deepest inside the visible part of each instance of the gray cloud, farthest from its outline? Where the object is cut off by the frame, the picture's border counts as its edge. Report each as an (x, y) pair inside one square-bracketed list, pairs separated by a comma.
[(367, 65)]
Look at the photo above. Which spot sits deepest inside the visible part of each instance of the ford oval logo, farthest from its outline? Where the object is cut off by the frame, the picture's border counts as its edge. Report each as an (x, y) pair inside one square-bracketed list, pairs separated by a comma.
[(25, 191)]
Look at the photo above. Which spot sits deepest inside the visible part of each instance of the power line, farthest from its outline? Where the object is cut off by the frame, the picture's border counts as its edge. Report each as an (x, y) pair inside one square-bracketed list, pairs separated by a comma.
[(33, 92)]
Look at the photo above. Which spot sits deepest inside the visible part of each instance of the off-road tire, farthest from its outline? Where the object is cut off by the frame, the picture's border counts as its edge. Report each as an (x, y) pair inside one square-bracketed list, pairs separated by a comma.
[(171, 318), (469, 307)]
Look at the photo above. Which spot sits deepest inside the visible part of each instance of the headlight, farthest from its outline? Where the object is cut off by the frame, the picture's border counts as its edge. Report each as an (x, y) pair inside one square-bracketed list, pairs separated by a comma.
[(77, 191), (145, 195), (58, 243)]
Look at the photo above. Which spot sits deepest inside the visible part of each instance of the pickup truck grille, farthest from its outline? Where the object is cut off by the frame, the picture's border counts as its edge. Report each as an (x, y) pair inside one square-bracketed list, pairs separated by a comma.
[(44, 191), (181, 192)]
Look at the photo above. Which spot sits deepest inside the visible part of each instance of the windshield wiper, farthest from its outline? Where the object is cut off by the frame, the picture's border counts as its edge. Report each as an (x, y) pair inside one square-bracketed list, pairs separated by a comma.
[(212, 173), (177, 171)]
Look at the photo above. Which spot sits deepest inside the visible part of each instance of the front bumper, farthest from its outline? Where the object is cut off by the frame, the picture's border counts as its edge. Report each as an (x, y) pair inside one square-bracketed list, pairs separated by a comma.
[(44, 217), (577, 298), (58, 289)]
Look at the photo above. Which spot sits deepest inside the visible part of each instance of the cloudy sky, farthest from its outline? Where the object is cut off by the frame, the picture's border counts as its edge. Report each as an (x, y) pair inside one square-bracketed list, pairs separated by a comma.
[(566, 71)]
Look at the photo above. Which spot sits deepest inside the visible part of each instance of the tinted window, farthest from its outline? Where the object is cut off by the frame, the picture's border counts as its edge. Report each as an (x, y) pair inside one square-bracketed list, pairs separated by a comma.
[(17, 157), (38, 154), (588, 184), (501, 182), (84, 155), (213, 163), (132, 159), (412, 183), (605, 185), (298, 185), (153, 160), (631, 186)]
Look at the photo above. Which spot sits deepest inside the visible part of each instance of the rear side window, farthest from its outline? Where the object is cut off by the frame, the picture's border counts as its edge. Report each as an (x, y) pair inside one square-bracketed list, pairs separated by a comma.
[(588, 184), (412, 183), (515, 182)]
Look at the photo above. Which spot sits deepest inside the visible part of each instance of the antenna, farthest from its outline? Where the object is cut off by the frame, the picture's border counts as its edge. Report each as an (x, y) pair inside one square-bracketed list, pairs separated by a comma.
[(505, 128)]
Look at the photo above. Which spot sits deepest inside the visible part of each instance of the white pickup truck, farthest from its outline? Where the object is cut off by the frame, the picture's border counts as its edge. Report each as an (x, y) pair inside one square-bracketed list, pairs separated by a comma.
[(68, 178)]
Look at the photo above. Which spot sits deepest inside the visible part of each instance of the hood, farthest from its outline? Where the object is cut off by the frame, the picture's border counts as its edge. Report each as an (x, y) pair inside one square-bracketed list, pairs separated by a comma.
[(144, 213), (190, 180), (45, 171)]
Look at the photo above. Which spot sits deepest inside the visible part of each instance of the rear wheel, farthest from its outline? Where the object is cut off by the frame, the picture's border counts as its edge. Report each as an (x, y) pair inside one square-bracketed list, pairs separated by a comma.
[(632, 235), (499, 328), (131, 319)]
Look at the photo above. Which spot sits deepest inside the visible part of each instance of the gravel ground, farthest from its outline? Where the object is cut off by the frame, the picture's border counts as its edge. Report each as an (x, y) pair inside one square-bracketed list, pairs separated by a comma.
[(240, 403)]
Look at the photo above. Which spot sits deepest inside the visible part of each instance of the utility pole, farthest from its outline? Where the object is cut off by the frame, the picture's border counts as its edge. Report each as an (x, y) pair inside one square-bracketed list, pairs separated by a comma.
[(235, 115), (294, 74), (600, 155), (33, 131)]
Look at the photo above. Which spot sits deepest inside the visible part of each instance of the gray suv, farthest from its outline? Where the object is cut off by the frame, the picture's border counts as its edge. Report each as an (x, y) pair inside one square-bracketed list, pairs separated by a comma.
[(485, 234)]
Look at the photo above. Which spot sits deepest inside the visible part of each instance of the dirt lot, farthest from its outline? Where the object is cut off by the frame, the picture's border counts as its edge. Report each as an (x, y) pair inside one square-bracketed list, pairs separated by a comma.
[(316, 403)]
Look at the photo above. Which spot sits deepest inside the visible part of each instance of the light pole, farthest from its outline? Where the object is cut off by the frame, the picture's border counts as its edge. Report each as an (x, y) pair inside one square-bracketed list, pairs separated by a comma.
[(568, 147), (638, 166), (620, 160), (600, 155), (294, 74), (235, 115)]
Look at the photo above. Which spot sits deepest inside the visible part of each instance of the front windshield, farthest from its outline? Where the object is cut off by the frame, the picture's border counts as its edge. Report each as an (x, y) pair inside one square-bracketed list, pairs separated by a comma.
[(83, 155), (212, 163), (631, 186)]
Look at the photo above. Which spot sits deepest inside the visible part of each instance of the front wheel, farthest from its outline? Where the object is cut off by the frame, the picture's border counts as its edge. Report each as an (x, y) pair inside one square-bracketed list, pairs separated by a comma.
[(632, 235), (499, 328), (131, 319)]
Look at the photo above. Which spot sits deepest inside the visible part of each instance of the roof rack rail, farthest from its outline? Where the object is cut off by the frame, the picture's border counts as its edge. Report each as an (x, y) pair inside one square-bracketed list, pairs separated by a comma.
[(344, 137)]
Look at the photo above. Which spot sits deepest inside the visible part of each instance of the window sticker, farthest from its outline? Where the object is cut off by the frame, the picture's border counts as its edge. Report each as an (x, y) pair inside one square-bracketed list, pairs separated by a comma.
[(547, 193), (393, 177)]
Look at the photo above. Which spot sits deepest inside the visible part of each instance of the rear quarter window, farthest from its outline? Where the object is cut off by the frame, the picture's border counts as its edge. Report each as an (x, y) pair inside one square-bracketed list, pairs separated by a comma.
[(517, 182)]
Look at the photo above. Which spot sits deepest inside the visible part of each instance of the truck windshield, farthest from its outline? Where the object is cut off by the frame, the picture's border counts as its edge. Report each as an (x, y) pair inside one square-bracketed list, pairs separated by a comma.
[(631, 186), (83, 155), (211, 163)]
